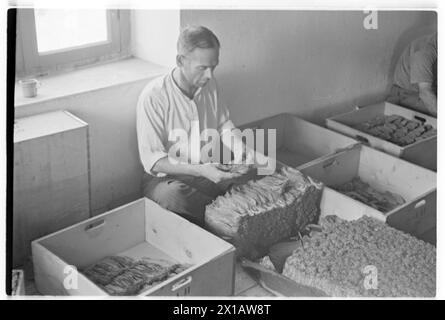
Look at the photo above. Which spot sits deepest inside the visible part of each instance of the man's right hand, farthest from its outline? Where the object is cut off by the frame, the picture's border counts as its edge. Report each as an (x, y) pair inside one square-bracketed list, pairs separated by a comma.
[(210, 171), (429, 98)]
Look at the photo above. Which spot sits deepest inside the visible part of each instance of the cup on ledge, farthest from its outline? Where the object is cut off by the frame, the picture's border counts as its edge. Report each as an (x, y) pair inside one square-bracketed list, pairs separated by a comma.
[(29, 87)]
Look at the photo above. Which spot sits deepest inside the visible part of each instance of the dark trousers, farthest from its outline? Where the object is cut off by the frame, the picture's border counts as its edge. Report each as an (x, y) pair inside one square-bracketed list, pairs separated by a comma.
[(184, 195)]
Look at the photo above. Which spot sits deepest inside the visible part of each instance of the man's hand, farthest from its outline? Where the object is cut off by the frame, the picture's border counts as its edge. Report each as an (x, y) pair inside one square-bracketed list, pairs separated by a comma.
[(428, 97), (211, 172)]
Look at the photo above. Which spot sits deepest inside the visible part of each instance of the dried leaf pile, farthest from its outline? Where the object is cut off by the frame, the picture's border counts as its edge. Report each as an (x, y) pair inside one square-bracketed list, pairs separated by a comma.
[(397, 129), (364, 257), (125, 276), (363, 192)]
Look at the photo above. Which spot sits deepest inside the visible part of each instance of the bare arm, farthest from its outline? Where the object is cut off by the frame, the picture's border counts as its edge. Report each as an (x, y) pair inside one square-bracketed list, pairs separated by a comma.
[(428, 97), (208, 170)]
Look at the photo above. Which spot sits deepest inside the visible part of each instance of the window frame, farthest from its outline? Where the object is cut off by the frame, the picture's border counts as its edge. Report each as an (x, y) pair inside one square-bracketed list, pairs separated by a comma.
[(30, 62)]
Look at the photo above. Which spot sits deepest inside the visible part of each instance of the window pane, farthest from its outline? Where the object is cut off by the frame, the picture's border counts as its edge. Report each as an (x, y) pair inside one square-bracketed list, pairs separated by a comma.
[(61, 29)]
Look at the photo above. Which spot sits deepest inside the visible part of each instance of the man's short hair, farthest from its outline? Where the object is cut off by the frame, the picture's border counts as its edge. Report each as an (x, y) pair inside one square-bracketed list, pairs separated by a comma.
[(192, 37)]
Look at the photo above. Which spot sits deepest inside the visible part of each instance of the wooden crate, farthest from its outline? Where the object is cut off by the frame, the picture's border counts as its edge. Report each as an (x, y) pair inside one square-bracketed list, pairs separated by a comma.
[(298, 141), (417, 216), (383, 172), (51, 178), (139, 229), (423, 153)]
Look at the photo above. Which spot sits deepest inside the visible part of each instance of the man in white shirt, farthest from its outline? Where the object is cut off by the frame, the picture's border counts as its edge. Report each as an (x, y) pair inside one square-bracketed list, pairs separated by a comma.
[(186, 99)]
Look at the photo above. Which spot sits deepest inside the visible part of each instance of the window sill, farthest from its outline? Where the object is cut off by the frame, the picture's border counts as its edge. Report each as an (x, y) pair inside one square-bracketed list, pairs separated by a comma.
[(90, 79)]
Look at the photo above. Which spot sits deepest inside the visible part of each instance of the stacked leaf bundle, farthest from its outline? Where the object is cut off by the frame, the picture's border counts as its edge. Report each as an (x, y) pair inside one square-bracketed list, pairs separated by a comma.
[(124, 276), (261, 212), (397, 129), (363, 192), (364, 258)]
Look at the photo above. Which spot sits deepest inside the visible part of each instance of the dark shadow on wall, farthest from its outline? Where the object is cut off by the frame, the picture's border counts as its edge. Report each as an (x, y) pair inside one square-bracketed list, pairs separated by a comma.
[(423, 27)]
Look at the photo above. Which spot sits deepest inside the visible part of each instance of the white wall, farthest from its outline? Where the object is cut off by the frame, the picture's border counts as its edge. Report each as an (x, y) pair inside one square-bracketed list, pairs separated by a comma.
[(311, 63), (154, 34)]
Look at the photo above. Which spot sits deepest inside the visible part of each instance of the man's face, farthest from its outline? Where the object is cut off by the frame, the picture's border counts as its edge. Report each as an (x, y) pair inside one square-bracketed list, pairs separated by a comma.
[(198, 66)]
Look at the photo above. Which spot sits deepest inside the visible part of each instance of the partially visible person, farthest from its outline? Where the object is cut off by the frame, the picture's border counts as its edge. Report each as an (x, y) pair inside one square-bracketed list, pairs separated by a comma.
[(415, 76)]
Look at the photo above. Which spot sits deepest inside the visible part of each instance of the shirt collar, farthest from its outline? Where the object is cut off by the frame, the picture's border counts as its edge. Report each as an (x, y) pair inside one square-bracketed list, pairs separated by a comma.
[(176, 86)]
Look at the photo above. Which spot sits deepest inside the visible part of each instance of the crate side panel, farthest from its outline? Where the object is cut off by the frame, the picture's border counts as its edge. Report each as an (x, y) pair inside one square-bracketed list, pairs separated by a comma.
[(423, 153), (417, 217), (180, 238), (214, 278), (304, 137), (55, 277), (391, 108), (335, 203), (355, 117), (336, 169), (98, 237), (388, 173)]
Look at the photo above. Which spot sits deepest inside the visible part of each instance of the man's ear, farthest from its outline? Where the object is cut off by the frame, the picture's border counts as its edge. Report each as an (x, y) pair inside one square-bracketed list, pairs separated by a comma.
[(179, 60)]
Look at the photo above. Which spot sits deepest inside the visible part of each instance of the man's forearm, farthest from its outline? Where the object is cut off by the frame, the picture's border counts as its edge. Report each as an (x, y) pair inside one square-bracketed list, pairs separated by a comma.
[(430, 101), (428, 96), (165, 166)]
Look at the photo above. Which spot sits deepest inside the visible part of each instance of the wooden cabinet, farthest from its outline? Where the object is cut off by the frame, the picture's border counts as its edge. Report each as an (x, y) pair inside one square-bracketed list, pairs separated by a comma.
[(51, 177)]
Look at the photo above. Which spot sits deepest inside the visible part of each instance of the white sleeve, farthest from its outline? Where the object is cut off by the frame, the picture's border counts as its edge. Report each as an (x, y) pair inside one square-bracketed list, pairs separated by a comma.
[(150, 132)]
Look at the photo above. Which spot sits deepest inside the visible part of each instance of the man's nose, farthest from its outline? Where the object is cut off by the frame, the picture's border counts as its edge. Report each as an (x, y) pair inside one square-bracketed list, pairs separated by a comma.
[(208, 73)]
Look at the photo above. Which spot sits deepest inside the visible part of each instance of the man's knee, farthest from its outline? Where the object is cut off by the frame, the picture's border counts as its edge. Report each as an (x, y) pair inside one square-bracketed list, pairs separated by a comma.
[(180, 198), (165, 192)]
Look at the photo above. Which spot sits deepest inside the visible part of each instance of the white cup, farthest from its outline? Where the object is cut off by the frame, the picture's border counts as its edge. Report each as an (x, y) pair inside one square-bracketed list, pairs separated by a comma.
[(29, 87)]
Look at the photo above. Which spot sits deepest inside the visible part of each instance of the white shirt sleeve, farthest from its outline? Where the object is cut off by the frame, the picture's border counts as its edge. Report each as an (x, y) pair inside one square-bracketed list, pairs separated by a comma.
[(150, 132)]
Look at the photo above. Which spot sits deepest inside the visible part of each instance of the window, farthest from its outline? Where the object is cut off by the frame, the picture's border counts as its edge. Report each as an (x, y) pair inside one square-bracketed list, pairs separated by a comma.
[(54, 39)]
